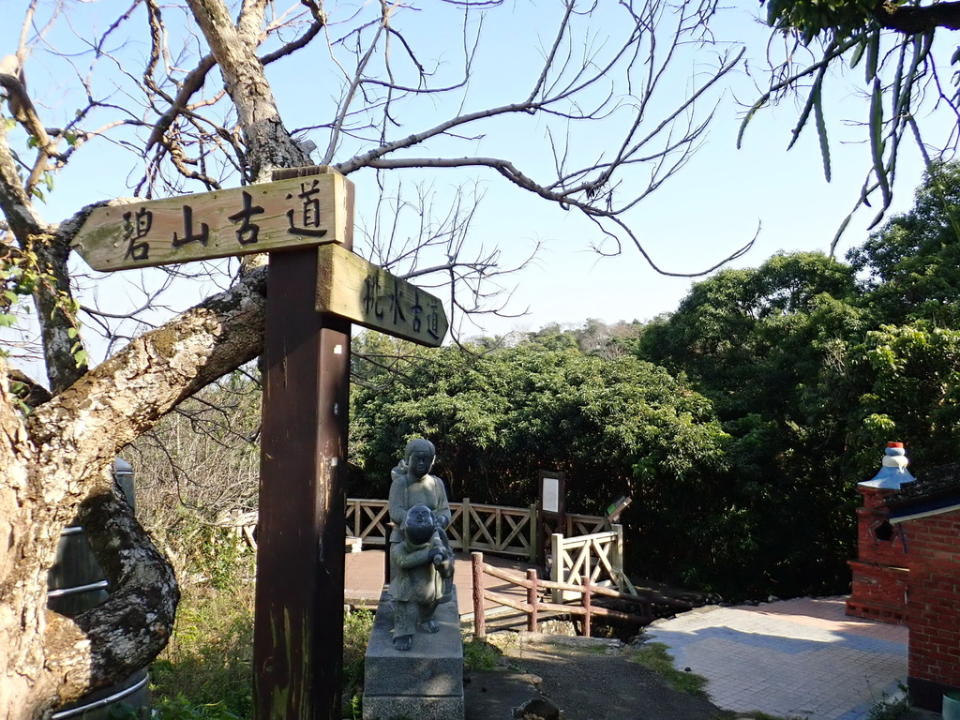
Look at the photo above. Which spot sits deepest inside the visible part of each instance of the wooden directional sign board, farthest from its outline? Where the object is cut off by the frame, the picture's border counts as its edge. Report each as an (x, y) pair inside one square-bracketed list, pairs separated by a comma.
[(298, 629), (296, 212), (364, 293)]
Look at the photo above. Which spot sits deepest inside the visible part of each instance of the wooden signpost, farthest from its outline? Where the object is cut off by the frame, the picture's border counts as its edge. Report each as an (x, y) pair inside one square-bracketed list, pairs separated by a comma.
[(553, 506), (368, 295), (292, 213), (312, 297)]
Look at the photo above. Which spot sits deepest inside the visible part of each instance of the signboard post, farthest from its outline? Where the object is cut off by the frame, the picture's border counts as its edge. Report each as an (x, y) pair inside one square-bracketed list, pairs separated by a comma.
[(312, 297), (552, 495)]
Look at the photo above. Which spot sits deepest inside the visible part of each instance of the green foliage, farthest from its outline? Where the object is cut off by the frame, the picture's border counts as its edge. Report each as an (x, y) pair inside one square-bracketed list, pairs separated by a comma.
[(617, 426), (810, 18), (20, 276), (480, 655), (220, 558), (891, 708), (205, 673), (357, 626), (206, 670), (892, 43), (911, 267), (654, 656), (812, 366), (179, 707)]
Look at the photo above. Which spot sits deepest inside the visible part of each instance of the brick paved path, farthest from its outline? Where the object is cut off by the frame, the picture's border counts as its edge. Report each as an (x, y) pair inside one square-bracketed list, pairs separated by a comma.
[(795, 658)]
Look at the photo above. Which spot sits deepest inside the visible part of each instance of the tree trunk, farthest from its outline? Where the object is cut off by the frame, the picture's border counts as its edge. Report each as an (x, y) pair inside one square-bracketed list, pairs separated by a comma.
[(56, 464)]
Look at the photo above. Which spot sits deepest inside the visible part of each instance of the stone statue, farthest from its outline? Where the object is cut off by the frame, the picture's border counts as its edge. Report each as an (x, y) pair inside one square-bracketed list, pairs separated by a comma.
[(414, 577), (421, 565), (412, 484)]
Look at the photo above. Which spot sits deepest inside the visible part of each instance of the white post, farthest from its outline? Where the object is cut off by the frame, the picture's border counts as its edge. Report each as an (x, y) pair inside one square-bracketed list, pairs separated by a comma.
[(556, 566)]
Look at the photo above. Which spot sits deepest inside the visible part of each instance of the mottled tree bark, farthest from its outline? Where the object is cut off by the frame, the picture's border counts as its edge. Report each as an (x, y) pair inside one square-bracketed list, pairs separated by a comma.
[(269, 145), (56, 466)]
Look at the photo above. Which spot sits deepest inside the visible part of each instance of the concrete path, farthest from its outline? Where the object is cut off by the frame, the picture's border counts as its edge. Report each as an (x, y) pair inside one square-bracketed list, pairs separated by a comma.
[(800, 658)]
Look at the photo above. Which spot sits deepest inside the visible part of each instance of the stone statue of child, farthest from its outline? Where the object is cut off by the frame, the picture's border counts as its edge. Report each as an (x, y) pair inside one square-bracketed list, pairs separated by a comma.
[(420, 563), (412, 484)]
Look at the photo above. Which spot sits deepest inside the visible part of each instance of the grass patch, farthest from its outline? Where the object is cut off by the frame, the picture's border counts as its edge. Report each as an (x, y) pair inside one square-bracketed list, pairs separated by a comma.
[(480, 655), (357, 626), (654, 656), (206, 671), (891, 708)]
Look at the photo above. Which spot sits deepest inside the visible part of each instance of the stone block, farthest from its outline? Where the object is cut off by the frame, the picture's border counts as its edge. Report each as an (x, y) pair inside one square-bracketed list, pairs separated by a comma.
[(423, 683)]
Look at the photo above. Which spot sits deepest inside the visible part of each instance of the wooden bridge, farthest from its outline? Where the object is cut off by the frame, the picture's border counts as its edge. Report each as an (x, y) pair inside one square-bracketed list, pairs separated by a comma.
[(589, 552)]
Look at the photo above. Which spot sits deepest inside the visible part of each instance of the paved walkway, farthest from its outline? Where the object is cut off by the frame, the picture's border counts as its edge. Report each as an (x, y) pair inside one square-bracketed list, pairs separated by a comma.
[(795, 658), (800, 658)]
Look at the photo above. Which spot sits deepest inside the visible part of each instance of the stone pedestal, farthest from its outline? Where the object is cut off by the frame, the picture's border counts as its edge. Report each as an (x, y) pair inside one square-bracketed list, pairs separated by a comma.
[(425, 682)]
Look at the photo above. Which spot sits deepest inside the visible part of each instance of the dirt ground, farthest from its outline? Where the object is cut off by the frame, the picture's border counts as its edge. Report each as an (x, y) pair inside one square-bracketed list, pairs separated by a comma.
[(586, 680)]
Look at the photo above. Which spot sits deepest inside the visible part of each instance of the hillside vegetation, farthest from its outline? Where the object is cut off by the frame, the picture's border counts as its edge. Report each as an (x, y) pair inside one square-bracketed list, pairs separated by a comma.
[(739, 424)]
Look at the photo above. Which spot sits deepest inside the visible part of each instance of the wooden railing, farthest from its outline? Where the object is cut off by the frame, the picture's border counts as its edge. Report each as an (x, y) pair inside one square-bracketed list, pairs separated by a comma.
[(473, 526), (494, 528), (532, 605), (597, 557), (367, 519), (584, 524)]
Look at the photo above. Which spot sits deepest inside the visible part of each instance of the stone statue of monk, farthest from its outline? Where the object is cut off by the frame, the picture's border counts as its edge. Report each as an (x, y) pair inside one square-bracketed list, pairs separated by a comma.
[(412, 484), (421, 565)]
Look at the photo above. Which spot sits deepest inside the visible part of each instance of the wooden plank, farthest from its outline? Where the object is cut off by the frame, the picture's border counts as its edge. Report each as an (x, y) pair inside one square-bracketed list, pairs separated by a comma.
[(368, 295), (295, 212), (504, 600)]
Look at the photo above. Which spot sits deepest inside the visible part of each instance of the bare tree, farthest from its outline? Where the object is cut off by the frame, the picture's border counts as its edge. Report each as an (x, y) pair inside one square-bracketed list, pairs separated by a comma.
[(602, 114)]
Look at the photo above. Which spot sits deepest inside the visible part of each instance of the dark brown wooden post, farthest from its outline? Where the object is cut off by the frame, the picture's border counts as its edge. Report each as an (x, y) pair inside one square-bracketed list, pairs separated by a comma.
[(585, 600), (298, 634), (551, 519), (533, 598), (479, 618)]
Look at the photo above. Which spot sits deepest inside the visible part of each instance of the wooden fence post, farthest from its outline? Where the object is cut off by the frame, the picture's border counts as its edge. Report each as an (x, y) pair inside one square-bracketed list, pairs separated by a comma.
[(534, 533), (533, 598), (556, 565), (465, 533), (585, 601), (618, 556), (386, 554), (479, 618)]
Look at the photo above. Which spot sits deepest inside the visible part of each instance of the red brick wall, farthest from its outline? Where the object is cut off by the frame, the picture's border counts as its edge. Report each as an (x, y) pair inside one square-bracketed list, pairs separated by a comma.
[(934, 598), (878, 592), (871, 549), (879, 576)]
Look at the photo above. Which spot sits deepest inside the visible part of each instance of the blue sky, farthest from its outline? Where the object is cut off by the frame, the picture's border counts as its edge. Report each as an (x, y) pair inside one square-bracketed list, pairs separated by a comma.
[(712, 207)]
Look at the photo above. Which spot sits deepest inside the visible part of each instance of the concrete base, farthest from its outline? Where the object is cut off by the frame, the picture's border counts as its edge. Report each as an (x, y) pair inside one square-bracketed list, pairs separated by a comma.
[(426, 682)]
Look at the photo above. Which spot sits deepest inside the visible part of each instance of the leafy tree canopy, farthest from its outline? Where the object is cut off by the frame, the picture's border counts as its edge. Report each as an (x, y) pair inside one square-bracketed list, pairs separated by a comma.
[(911, 267)]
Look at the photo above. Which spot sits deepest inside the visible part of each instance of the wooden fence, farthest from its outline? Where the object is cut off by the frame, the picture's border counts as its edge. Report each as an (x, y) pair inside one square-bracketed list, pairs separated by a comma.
[(473, 526), (532, 606), (597, 557)]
